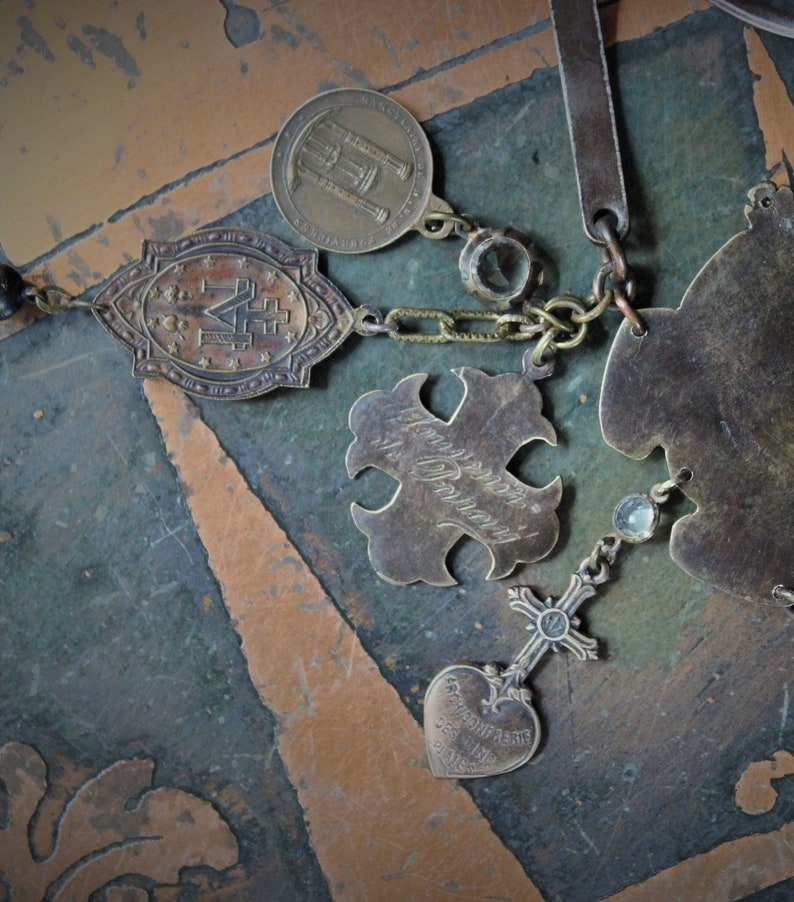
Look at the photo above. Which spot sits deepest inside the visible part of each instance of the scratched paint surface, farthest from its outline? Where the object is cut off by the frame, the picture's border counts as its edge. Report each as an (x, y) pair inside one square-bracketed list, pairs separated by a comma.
[(80, 230), (168, 68), (115, 640), (106, 589), (643, 726)]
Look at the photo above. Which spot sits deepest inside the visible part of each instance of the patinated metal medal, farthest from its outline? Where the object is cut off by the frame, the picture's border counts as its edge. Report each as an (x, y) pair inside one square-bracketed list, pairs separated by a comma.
[(712, 383), (479, 720), (352, 172), (225, 313), (452, 475)]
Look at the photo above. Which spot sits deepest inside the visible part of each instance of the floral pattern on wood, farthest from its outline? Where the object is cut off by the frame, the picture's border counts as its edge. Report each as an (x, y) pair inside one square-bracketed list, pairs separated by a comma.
[(115, 825)]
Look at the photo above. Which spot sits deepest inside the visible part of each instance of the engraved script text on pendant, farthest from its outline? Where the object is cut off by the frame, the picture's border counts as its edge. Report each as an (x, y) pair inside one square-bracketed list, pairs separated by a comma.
[(713, 384), (225, 313), (453, 477)]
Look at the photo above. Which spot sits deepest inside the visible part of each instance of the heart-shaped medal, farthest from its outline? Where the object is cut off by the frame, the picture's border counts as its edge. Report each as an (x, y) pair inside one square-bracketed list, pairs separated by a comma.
[(479, 721), (470, 730)]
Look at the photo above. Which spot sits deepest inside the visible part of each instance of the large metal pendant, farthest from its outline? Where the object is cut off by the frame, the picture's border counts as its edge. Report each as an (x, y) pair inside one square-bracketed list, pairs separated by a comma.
[(713, 384), (225, 313)]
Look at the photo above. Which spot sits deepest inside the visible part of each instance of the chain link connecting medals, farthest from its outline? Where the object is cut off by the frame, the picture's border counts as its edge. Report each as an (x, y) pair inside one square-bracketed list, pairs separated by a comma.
[(710, 382)]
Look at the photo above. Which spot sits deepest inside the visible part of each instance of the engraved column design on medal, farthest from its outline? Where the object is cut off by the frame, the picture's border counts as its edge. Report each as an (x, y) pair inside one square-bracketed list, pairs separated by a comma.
[(351, 171), (344, 164)]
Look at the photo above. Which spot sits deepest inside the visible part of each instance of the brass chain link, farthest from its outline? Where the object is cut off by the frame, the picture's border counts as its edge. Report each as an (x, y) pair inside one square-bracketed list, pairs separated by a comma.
[(559, 323), (51, 299), (556, 324), (616, 270)]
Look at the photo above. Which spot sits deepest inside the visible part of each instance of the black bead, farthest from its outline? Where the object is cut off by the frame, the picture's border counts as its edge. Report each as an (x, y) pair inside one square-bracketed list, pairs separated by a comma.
[(11, 291)]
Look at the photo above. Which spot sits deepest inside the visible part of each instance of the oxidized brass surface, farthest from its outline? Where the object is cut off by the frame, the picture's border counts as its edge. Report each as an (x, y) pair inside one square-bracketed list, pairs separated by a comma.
[(480, 722), (225, 313), (712, 383), (351, 171), (467, 736), (452, 475)]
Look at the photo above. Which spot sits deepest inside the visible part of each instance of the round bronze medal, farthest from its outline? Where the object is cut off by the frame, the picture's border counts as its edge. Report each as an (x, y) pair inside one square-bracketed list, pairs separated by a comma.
[(351, 172)]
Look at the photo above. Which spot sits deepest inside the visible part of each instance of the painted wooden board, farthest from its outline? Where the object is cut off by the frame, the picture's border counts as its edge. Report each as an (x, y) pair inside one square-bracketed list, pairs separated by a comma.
[(187, 616)]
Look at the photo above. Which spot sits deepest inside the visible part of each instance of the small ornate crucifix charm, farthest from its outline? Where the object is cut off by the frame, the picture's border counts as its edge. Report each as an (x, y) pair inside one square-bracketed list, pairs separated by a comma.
[(480, 721)]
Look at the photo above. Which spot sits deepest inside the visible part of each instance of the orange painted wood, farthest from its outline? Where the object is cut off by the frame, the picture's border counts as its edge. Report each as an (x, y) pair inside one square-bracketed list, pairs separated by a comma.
[(382, 827), (180, 137), (104, 104), (172, 129), (773, 106)]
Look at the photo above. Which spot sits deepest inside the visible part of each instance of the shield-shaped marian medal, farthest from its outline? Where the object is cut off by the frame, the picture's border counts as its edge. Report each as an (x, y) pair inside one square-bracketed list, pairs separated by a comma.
[(225, 313)]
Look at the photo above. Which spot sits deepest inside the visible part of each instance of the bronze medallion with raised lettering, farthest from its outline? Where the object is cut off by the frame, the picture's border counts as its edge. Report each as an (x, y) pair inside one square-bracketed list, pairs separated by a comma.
[(225, 313), (351, 171)]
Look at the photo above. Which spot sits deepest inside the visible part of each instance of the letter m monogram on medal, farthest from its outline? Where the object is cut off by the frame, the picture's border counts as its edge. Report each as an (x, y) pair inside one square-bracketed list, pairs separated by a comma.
[(225, 313)]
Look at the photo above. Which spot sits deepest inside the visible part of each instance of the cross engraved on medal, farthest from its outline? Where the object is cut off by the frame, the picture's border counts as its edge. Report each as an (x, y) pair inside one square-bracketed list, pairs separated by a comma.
[(452, 475), (225, 313)]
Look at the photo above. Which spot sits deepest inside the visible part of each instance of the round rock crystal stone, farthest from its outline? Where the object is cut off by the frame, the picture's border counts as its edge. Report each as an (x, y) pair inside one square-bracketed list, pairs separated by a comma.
[(636, 517)]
